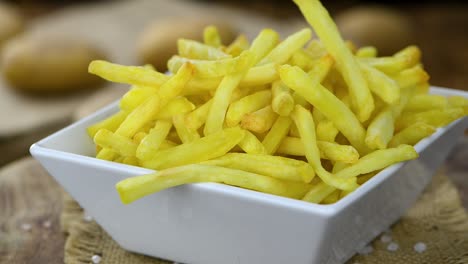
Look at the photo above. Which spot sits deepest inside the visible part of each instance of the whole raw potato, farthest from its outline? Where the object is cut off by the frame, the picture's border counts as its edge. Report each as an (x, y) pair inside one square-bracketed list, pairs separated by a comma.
[(387, 29), (158, 42), (11, 22), (45, 64)]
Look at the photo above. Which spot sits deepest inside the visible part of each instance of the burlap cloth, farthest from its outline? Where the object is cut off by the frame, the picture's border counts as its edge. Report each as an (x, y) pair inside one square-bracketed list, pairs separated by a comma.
[(437, 219)]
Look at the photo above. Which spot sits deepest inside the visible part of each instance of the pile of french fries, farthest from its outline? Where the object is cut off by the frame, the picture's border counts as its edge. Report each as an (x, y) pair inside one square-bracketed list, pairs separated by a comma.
[(270, 115)]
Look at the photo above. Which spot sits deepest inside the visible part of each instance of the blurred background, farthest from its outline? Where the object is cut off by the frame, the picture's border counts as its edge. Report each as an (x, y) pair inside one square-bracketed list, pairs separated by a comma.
[(45, 47)]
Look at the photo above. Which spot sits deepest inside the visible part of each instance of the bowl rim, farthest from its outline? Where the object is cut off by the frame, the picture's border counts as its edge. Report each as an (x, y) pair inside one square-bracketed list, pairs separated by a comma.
[(40, 148)]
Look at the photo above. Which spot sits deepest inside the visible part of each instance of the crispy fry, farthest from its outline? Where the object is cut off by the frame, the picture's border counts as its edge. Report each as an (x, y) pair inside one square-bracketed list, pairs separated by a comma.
[(318, 193), (195, 50), (238, 46), (380, 130), (186, 134), (202, 149), (412, 134), (327, 104), (197, 117), (457, 101), (111, 123), (305, 124), (246, 105), (436, 118), (211, 36), (136, 96), (283, 102), (131, 161), (272, 166), (411, 77), (402, 60), (122, 145), (133, 75), (134, 188), (332, 198), (285, 49), (106, 154), (326, 131), (138, 137), (176, 106), (424, 102), (259, 121), (277, 133), (303, 59), (380, 84), (377, 160), (150, 144), (251, 144), (320, 20), (367, 52), (166, 144)]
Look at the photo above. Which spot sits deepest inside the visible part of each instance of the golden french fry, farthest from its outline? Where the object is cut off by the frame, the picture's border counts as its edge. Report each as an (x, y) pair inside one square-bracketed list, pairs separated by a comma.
[(339, 165), (137, 95), (326, 131), (367, 52), (305, 124), (150, 144), (202, 149), (131, 161), (111, 123), (328, 104), (411, 77), (176, 106), (277, 133), (138, 137), (332, 198), (272, 166), (285, 49), (106, 154), (457, 101), (197, 117), (207, 68), (316, 48), (424, 102), (303, 59), (195, 50), (412, 134), (134, 188), (259, 121), (166, 144), (264, 44), (211, 36), (380, 130), (251, 144), (406, 58), (323, 25), (283, 102), (133, 75), (380, 84), (319, 192), (238, 46), (122, 145), (246, 105), (185, 133), (436, 118), (377, 160), (139, 117)]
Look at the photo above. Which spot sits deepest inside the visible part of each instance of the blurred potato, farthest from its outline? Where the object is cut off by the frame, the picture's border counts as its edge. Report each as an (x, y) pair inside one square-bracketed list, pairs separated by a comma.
[(158, 41), (49, 65), (387, 29), (11, 23)]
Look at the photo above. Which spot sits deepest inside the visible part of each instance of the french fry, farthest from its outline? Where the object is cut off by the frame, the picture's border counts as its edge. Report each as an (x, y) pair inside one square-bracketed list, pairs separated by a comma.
[(316, 48), (259, 121), (122, 145), (436, 118), (332, 198), (277, 133), (326, 131), (195, 50), (202, 149), (272, 166), (246, 105), (320, 20), (238, 46), (380, 84), (380, 130), (285, 49), (166, 144), (135, 96), (133, 75), (402, 60), (186, 134), (134, 188), (196, 118), (106, 154), (377, 160), (305, 124), (251, 144), (111, 123), (367, 52), (411, 77), (150, 144), (208, 68), (412, 134), (319, 192), (327, 104), (131, 161), (211, 36), (425, 102), (283, 102), (303, 59), (176, 106), (457, 101), (138, 137)]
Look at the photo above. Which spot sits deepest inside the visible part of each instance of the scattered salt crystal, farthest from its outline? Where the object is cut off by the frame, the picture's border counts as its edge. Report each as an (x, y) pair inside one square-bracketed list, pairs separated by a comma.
[(392, 246), (47, 224), (26, 227), (96, 259), (87, 218), (366, 250), (420, 247), (386, 238)]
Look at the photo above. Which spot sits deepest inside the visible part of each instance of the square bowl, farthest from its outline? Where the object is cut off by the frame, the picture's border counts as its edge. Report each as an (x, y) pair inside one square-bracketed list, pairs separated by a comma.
[(216, 223)]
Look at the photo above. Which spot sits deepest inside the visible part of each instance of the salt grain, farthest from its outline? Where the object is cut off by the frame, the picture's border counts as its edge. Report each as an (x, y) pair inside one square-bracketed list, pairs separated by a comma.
[(420, 247), (47, 224), (386, 238), (366, 250), (392, 246), (96, 259), (26, 227)]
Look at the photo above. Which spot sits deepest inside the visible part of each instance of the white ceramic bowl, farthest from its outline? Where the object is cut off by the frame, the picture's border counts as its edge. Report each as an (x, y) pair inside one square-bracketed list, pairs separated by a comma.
[(215, 223)]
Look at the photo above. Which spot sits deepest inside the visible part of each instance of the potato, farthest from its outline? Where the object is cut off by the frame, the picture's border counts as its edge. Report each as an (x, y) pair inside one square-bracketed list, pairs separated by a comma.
[(387, 29), (49, 64), (11, 23), (158, 42)]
